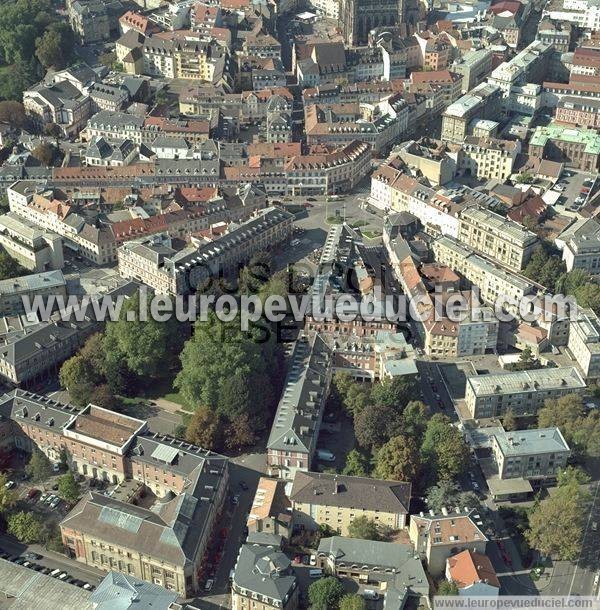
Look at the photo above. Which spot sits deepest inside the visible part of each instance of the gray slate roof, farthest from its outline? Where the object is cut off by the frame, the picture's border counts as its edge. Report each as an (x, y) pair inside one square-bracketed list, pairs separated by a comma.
[(295, 427), (266, 571), (351, 492), (123, 592)]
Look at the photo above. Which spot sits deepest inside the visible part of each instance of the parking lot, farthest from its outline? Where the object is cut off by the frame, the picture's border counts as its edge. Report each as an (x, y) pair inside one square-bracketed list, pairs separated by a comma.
[(574, 188)]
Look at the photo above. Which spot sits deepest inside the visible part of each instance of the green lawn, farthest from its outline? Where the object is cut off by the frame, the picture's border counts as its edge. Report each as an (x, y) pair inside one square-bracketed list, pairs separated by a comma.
[(371, 234)]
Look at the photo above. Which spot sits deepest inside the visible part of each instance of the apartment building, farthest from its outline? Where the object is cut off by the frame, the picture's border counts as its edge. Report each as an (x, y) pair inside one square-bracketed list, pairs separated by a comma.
[(263, 579), (559, 34), (579, 112), (488, 158), (584, 344), (537, 455), (517, 78), (293, 438), (436, 537), (580, 244), (449, 82), (474, 67), (336, 500), (522, 392), (187, 58), (271, 510), (492, 282), (501, 239), (390, 568), (583, 13), (119, 126), (152, 261), (14, 290), (574, 146), (482, 102), (33, 248)]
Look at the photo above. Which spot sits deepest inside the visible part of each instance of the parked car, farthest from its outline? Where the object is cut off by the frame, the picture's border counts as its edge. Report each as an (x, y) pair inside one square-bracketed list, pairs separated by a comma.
[(32, 556), (209, 584), (55, 467), (9, 484), (325, 455), (62, 576), (88, 587), (594, 526), (33, 493), (313, 560), (45, 570), (243, 485), (235, 499)]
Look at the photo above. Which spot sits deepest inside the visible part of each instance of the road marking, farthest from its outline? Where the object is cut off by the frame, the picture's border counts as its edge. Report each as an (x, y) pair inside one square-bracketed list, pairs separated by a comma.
[(587, 525)]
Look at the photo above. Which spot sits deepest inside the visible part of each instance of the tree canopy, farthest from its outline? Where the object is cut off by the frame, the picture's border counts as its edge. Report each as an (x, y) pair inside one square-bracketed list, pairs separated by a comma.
[(8, 497), (364, 528), (580, 429), (357, 464), (556, 523), (375, 425), (352, 602), (447, 494), (68, 487), (398, 460), (26, 527), (397, 392), (30, 32), (38, 468), (229, 371), (444, 450), (325, 593)]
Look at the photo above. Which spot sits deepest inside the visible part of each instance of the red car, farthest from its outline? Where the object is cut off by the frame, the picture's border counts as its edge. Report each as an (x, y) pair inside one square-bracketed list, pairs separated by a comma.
[(33, 493), (223, 533), (500, 544), (507, 559)]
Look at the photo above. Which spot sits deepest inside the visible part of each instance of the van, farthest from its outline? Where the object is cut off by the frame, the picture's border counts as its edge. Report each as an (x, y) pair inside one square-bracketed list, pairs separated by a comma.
[(370, 594), (315, 573), (325, 455)]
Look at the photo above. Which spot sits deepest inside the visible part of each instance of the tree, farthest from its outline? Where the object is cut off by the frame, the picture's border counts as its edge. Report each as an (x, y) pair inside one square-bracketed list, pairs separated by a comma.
[(352, 602), (579, 429), (398, 460), (52, 130), (509, 421), (8, 497), (204, 429), (444, 450), (545, 266), (26, 527), (375, 425), (447, 587), (147, 346), (357, 464), (44, 153), (396, 392), (13, 113), (363, 528), (572, 476), (527, 361), (325, 593), (230, 371), (414, 419), (447, 494), (79, 379), (253, 276), (68, 487), (556, 523), (102, 396), (38, 468), (9, 267), (240, 433)]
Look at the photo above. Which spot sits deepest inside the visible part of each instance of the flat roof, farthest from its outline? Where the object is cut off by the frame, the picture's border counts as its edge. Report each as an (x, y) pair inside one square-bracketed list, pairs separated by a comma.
[(531, 442), (104, 425), (495, 384)]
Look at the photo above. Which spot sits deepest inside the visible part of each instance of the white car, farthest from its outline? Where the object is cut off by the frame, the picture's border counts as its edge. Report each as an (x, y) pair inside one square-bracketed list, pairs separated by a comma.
[(475, 485), (87, 586), (9, 484), (209, 584), (313, 560), (62, 576)]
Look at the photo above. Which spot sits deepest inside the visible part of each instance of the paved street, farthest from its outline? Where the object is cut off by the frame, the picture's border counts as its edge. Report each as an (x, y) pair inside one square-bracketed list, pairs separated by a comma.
[(53, 560)]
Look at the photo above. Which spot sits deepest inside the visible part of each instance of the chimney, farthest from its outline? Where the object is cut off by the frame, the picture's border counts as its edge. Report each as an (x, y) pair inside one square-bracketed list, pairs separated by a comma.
[(444, 511)]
